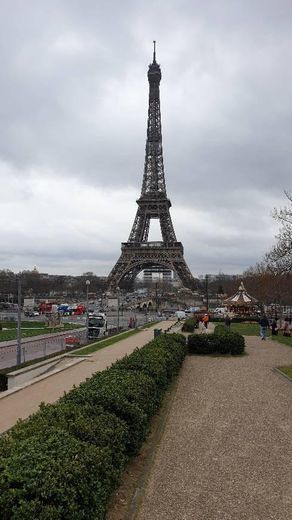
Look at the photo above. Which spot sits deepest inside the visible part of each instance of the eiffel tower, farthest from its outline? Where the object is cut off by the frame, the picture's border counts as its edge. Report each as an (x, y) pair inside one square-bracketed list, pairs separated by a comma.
[(137, 253)]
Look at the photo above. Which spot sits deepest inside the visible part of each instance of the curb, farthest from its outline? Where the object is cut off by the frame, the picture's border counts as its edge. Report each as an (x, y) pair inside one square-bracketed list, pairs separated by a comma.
[(275, 369), (139, 494)]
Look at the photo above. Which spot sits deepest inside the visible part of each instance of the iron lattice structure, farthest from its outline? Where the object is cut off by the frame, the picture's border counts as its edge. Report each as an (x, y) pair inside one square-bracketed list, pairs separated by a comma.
[(137, 253)]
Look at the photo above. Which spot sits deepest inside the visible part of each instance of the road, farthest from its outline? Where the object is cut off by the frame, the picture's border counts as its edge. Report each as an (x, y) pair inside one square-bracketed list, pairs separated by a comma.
[(45, 344)]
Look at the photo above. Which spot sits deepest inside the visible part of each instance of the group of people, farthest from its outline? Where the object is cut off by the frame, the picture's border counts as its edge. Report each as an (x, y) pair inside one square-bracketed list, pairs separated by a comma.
[(265, 325)]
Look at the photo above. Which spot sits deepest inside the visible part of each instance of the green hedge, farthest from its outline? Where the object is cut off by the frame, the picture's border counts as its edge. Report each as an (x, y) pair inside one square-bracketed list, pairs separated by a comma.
[(66, 459), (237, 319), (223, 341), (189, 325)]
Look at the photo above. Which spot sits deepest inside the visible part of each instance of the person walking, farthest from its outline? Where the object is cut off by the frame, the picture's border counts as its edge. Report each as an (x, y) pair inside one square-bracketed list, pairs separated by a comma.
[(274, 327), (227, 322), (264, 325), (286, 328), (206, 320), (202, 327)]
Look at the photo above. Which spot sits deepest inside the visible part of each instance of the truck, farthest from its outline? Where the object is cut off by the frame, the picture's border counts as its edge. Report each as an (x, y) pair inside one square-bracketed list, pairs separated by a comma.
[(97, 326)]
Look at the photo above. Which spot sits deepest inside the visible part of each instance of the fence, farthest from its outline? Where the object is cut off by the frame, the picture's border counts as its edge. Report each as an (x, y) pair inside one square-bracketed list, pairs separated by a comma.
[(39, 348)]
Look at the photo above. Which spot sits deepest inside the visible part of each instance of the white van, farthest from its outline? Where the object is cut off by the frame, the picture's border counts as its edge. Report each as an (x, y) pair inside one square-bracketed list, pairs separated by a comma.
[(181, 315), (220, 311)]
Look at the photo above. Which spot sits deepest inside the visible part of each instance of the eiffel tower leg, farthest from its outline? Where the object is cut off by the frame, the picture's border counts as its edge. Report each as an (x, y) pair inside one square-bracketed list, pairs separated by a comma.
[(136, 257), (185, 274)]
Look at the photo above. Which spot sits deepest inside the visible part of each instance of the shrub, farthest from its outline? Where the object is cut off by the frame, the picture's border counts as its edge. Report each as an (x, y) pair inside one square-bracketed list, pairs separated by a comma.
[(221, 342), (65, 460), (87, 423), (198, 344), (232, 342), (179, 338), (120, 393), (189, 325), (53, 476), (160, 359), (237, 344)]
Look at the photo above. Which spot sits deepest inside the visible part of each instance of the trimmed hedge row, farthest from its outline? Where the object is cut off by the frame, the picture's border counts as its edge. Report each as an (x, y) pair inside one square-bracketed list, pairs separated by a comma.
[(66, 459), (189, 325), (237, 319), (223, 341)]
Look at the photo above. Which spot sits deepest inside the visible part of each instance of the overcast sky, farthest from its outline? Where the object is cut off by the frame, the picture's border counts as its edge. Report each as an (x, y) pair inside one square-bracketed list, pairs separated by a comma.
[(73, 106)]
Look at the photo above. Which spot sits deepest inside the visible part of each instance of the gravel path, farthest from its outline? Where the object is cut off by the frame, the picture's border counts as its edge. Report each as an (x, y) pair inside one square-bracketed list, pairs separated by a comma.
[(226, 453)]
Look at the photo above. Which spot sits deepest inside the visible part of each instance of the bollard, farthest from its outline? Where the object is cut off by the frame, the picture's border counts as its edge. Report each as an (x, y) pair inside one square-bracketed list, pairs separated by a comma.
[(157, 332)]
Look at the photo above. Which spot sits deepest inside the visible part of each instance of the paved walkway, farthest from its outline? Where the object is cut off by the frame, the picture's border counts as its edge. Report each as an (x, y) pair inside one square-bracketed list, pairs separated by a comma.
[(26, 401), (226, 453)]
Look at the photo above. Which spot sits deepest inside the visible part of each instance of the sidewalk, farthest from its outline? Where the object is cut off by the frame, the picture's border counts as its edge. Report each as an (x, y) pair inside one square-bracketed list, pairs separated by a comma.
[(26, 401), (226, 450)]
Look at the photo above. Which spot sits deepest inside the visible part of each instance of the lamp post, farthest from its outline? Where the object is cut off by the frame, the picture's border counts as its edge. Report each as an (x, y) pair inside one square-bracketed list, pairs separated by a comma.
[(118, 293), (207, 291), (87, 287), (18, 349)]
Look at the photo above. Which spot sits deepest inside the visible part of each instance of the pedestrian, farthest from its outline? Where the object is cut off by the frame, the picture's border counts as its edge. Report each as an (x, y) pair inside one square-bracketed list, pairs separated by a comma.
[(274, 327), (264, 325), (201, 324), (286, 328), (206, 320), (227, 322)]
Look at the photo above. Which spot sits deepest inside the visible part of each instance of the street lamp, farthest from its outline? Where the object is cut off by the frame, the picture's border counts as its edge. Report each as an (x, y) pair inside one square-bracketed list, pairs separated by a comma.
[(207, 291), (118, 293), (18, 349), (87, 287)]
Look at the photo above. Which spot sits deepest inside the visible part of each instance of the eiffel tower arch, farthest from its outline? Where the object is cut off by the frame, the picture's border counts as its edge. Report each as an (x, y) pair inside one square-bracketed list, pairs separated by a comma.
[(138, 253)]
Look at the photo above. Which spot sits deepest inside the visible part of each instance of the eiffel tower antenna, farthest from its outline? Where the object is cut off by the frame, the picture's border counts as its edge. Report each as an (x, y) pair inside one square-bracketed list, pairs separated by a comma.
[(138, 253)]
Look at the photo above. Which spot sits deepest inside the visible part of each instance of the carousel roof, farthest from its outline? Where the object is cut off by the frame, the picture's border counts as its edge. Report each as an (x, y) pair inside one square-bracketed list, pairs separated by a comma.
[(241, 298)]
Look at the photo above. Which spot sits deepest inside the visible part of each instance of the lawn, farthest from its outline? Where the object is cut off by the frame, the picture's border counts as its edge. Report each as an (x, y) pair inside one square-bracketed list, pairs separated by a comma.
[(30, 329), (246, 329), (252, 329), (286, 370), (283, 339)]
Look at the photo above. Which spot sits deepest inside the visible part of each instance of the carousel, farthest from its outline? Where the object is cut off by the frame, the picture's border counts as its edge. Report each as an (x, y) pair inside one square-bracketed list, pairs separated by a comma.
[(241, 303)]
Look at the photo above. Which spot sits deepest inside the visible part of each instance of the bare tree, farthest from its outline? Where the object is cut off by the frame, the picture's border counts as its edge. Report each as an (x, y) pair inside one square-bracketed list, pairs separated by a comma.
[(279, 259)]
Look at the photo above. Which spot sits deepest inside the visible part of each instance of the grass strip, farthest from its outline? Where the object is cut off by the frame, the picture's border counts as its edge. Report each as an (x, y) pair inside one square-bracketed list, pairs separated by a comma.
[(94, 347), (283, 339), (9, 335), (287, 370), (98, 345), (245, 329)]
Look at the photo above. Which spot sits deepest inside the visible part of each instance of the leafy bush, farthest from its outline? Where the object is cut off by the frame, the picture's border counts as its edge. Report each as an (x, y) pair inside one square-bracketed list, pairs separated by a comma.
[(234, 342), (53, 476), (66, 460), (161, 359), (221, 342), (131, 396), (189, 325), (88, 423), (199, 344), (179, 338)]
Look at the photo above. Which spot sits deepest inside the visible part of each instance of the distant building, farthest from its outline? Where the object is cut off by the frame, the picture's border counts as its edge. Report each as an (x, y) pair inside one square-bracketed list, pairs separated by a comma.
[(149, 275)]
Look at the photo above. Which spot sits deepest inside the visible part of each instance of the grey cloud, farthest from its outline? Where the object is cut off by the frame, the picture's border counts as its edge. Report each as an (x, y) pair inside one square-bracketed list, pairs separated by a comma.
[(74, 103)]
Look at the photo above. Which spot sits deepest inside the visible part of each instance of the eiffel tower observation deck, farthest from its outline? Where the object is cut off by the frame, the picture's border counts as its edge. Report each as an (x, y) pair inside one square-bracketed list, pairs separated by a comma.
[(138, 253)]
